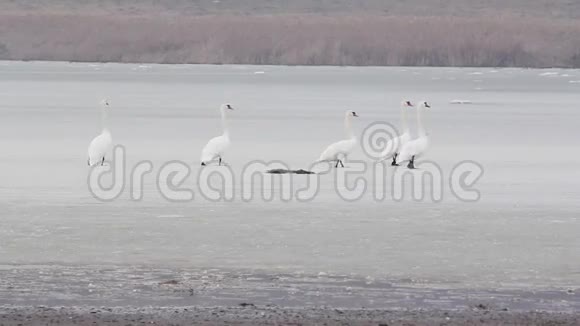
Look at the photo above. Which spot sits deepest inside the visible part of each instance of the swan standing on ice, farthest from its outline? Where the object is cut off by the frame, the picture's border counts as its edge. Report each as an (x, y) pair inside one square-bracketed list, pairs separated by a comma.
[(418, 146), (394, 146), (339, 150), (215, 148), (102, 143)]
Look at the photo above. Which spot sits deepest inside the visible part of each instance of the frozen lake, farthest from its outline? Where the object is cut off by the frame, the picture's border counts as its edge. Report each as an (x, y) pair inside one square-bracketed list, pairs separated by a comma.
[(521, 127)]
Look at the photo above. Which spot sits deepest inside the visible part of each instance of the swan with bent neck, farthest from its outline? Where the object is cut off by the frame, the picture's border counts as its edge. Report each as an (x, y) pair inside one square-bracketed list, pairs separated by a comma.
[(395, 145), (417, 147), (217, 146), (101, 144), (337, 152)]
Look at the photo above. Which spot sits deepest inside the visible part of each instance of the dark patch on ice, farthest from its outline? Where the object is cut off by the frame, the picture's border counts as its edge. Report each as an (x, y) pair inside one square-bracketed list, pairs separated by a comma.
[(285, 171)]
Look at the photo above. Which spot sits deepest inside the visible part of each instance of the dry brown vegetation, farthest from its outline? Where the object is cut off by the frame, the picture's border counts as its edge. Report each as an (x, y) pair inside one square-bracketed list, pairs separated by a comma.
[(364, 38), (561, 9)]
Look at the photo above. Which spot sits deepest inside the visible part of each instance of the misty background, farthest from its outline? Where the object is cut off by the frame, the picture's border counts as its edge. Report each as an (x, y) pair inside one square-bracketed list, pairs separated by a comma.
[(535, 33)]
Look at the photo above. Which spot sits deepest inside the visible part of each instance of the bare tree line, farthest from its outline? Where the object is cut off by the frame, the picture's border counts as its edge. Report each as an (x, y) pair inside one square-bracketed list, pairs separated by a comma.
[(303, 39)]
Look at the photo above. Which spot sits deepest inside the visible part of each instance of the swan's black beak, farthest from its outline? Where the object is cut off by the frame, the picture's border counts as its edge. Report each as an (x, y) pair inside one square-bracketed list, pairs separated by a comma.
[(354, 114), (230, 107), (427, 105)]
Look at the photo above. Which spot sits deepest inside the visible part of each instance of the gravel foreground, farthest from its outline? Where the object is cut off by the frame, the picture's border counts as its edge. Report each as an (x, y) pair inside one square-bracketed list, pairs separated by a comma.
[(141, 295), (248, 314)]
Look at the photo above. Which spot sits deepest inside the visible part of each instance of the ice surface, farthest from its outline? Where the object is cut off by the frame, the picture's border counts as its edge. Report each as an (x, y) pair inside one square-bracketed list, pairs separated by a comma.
[(523, 131)]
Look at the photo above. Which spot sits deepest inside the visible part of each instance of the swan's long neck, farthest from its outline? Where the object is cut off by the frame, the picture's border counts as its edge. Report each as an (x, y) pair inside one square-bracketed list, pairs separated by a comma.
[(348, 127), (420, 128), (404, 119), (225, 123), (104, 120)]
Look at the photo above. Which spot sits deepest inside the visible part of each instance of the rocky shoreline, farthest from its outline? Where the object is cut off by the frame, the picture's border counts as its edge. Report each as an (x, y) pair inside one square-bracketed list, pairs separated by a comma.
[(140, 295), (249, 314)]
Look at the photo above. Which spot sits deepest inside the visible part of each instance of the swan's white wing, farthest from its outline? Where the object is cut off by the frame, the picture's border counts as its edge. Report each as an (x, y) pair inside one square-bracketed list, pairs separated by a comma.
[(406, 152), (215, 147), (99, 147), (403, 139), (412, 148), (421, 146), (332, 152), (394, 145), (390, 148)]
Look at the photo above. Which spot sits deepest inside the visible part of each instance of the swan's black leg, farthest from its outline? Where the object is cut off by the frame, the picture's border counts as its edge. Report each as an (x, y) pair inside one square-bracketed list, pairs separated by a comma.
[(411, 164), (89, 161), (103, 161), (220, 161), (394, 162), (336, 166), (341, 165)]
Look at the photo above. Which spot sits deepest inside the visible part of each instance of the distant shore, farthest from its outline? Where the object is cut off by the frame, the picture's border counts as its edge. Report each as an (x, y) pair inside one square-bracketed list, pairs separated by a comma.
[(292, 39)]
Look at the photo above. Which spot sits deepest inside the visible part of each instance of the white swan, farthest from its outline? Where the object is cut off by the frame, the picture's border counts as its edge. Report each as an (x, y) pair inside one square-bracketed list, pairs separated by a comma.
[(339, 150), (417, 147), (394, 146), (101, 144), (215, 148)]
